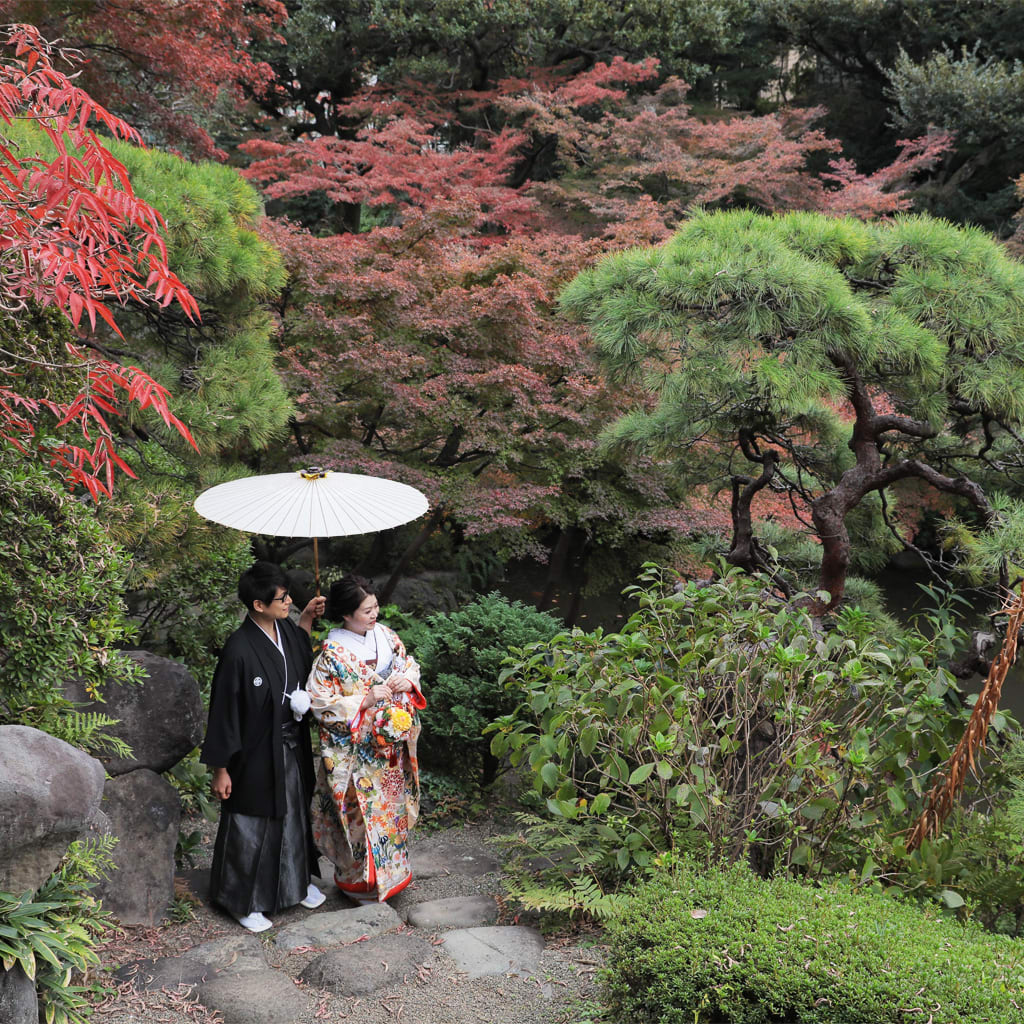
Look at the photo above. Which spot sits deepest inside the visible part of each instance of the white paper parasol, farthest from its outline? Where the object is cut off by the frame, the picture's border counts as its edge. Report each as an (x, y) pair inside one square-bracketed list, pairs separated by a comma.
[(311, 503)]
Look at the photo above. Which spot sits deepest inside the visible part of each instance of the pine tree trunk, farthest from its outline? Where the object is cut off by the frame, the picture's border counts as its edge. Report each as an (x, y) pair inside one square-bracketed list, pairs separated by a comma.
[(829, 515), (743, 551)]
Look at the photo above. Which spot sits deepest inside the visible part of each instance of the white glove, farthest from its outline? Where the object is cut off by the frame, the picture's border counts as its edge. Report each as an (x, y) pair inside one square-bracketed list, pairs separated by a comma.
[(300, 703)]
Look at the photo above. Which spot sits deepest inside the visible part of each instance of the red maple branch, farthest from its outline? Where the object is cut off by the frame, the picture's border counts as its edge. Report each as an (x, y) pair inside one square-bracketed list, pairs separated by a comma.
[(75, 236)]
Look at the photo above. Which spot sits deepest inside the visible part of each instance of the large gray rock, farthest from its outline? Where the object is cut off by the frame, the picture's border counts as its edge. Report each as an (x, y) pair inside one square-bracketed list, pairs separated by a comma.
[(230, 975), (231, 956), (266, 997), (161, 718), (49, 792), (18, 1004), (364, 967), (453, 861), (144, 812)]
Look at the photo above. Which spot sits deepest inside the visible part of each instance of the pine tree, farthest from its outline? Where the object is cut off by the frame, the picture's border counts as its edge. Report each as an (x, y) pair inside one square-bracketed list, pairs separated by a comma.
[(823, 361)]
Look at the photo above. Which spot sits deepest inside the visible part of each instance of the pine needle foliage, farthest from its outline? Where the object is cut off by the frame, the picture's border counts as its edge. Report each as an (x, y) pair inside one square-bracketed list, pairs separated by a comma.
[(222, 370), (813, 337), (226, 387)]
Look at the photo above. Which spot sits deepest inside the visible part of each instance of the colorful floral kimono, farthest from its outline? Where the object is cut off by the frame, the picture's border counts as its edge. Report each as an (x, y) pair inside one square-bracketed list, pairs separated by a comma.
[(367, 787)]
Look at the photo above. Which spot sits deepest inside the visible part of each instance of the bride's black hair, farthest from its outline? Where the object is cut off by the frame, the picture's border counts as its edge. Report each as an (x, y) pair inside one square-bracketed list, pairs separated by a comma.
[(346, 595)]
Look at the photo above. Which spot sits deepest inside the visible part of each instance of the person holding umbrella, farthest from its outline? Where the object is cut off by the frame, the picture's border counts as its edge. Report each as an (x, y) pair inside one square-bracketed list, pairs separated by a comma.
[(365, 693), (262, 760)]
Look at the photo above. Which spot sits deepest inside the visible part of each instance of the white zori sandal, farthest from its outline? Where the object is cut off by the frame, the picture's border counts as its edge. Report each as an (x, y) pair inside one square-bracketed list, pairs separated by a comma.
[(255, 922), (314, 897)]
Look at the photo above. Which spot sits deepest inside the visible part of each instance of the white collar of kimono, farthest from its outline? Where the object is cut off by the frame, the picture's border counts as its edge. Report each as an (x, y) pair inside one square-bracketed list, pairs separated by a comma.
[(366, 648), (278, 641)]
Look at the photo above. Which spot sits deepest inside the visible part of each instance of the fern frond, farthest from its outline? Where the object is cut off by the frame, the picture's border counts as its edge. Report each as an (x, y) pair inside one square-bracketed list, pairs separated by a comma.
[(584, 897), (84, 729)]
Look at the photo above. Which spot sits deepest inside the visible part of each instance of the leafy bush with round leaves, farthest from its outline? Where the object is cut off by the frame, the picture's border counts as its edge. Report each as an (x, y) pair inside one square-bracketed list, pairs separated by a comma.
[(720, 708)]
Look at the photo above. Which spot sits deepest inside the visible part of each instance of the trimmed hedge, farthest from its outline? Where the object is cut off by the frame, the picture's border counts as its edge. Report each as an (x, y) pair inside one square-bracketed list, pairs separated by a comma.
[(461, 655), (727, 947)]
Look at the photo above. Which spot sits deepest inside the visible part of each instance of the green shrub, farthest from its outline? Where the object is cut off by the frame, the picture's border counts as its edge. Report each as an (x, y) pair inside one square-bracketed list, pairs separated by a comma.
[(721, 709), (461, 655), (62, 582), (726, 947), (411, 628), (977, 862), (187, 608)]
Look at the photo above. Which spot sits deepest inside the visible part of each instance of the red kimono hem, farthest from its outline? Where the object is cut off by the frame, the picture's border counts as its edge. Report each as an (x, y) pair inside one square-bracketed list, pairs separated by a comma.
[(371, 883)]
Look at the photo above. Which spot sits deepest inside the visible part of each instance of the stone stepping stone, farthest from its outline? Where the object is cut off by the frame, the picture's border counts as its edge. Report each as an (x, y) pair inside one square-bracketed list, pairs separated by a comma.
[(503, 949), (338, 927), (364, 967), (454, 912), (232, 956), (456, 860), (256, 997)]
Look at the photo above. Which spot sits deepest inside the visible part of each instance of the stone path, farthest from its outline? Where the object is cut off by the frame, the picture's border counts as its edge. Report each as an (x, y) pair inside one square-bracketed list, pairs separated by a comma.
[(438, 953)]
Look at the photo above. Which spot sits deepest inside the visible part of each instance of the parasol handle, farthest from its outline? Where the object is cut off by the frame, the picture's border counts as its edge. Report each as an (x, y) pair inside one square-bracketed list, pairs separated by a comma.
[(314, 473)]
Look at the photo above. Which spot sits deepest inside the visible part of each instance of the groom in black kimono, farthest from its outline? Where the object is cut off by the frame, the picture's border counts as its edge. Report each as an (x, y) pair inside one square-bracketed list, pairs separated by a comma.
[(257, 742)]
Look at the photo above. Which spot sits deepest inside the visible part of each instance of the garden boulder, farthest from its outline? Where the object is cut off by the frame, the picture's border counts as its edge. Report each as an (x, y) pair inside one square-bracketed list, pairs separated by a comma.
[(144, 812), (49, 793), (18, 1003), (161, 718)]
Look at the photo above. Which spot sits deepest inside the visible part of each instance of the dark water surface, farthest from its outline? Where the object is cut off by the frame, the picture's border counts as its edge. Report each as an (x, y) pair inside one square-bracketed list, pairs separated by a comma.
[(524, 581), (905, 599)]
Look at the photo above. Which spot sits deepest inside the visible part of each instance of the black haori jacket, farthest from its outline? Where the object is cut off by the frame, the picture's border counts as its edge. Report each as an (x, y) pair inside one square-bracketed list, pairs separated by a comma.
[(243, 732)]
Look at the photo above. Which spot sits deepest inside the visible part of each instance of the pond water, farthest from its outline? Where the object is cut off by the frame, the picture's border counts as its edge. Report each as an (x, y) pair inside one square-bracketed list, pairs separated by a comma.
[(524, 581), (901, 583)]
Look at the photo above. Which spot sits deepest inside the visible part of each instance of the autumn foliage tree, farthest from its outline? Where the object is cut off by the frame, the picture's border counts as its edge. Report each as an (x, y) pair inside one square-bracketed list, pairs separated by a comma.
[(76, 238), (175, 69), (470, 45), (427, 346), (622, 139)]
